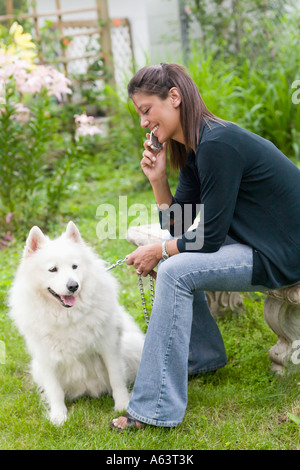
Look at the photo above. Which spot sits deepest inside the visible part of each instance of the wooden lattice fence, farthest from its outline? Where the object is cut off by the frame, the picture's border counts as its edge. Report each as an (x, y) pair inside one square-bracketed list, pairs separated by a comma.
[(79, 43)]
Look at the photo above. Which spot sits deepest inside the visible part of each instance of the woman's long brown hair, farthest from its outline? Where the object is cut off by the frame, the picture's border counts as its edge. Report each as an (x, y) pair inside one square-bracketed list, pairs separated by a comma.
[(158, 80)]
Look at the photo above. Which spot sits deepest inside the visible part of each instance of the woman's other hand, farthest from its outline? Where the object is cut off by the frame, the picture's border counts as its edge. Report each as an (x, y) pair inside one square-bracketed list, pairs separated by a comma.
[(145, 258)]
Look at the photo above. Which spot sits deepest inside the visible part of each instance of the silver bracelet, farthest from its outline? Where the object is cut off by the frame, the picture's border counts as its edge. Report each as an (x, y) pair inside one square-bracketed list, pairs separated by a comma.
[(165, 253)]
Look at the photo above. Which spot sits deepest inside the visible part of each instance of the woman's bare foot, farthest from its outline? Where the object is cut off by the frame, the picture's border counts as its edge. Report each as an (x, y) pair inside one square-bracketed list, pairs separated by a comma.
[(125, 422)]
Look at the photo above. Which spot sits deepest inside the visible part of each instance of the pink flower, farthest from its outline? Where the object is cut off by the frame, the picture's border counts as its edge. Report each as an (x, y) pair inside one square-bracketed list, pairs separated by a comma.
[(11, 67), (85, 125), (32, 83), (22, 112), (9, 217), (5, 239), (44, 77), (83, 119), (32, 80), (57, 83)]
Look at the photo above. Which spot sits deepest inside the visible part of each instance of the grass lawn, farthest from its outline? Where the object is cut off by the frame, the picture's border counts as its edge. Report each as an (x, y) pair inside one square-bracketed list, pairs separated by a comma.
[(242, 406)]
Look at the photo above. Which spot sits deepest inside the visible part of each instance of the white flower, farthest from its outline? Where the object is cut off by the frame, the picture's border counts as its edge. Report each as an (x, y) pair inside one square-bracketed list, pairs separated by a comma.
[(84, 130)]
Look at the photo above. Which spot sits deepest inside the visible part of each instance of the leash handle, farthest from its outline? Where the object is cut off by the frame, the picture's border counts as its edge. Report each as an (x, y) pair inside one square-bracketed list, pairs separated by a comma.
[(119, 262)]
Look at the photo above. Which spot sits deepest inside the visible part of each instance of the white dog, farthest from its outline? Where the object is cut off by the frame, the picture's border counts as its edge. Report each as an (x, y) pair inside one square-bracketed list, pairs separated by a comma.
[(65, 304)]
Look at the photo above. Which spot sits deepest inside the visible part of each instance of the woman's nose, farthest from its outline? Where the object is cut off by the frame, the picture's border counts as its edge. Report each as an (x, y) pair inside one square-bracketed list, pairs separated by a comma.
[(144, 122)]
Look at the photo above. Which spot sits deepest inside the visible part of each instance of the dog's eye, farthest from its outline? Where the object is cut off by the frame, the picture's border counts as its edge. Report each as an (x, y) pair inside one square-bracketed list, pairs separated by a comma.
[(74, 266), (53, 270)]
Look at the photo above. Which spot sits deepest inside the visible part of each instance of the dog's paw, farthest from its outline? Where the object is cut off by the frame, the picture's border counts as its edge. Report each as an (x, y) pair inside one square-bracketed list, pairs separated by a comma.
[(121, 403), (120, 406), (58, 416)]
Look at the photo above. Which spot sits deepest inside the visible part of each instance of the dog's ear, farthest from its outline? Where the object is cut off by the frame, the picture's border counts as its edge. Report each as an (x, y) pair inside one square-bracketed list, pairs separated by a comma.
[(34, 241), (73, 232)]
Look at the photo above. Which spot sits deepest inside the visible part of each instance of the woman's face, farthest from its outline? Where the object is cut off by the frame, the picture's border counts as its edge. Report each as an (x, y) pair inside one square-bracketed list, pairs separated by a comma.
[(160, 116)]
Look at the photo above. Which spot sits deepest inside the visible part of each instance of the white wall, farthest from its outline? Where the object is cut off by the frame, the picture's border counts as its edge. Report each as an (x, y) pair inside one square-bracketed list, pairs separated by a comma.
[(164, 30), (154, 24), (155, 28)]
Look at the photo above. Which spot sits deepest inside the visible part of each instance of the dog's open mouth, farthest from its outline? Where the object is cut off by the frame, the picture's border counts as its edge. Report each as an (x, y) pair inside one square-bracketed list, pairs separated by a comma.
[(66, 300)]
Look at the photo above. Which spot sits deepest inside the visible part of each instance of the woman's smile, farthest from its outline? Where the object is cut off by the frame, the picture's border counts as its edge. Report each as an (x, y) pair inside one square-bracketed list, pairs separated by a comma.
[(155, 129), (162, 117)]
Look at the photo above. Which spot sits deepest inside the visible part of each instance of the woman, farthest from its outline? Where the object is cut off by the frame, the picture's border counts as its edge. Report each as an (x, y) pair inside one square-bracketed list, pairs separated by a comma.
[(250, 217)]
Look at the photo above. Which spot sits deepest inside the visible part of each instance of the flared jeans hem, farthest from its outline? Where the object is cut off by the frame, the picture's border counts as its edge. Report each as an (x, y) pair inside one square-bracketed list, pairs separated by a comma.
[(153, 422)]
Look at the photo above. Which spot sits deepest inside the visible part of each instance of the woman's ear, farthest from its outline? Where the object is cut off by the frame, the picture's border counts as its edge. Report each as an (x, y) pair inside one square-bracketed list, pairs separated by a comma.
[(175, 97)]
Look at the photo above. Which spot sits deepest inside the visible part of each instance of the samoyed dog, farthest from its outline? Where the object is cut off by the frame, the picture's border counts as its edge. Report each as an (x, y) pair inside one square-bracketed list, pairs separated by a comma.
[(65, 304)]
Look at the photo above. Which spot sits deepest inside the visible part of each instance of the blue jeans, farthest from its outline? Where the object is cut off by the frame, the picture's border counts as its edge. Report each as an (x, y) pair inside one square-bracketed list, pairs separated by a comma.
[(182, 335)]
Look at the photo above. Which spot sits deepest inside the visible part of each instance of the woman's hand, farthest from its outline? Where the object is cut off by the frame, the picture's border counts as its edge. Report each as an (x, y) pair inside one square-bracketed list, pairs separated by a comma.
[(154, 163), (145, 258)]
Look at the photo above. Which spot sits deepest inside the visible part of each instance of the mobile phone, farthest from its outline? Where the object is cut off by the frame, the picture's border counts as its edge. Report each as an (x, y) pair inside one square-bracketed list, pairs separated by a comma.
[(155, 143)]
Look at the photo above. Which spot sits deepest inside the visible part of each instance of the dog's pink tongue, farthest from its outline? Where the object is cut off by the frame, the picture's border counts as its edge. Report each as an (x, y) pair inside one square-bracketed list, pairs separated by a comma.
[(69, 299)]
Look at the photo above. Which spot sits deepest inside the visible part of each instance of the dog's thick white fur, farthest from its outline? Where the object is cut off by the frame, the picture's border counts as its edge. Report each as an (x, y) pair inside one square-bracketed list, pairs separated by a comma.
[(65, 304)]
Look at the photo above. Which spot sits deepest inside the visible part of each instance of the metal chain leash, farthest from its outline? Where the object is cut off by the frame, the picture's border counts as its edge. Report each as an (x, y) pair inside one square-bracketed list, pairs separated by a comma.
[(142, 293), (119, 262)]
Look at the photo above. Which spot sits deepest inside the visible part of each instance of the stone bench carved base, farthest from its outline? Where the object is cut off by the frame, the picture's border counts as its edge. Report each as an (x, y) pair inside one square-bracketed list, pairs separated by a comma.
[(282, 314), (281, 307), (220, 302)]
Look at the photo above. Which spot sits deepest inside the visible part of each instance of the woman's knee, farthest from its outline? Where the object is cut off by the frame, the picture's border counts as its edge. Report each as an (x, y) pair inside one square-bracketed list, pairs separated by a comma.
[(168, 267), (174, 271)]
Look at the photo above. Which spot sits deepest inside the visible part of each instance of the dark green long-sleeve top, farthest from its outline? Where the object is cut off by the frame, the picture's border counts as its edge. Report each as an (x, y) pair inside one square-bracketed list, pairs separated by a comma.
[(251, 192)]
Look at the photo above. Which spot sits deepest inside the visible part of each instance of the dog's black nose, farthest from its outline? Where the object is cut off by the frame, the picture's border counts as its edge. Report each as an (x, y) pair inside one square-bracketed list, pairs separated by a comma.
[(72, 286)]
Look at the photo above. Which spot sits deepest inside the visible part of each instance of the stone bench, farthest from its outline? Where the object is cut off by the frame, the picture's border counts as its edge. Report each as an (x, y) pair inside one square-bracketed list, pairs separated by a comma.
[(281, 306)]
